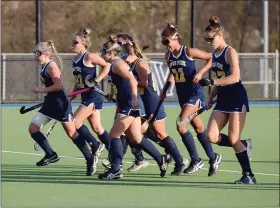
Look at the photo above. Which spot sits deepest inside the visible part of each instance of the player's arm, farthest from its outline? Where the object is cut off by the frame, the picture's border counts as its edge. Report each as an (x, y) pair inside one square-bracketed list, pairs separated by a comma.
[(122, 69), (142, 70), (199, 54), (95, 59), (232, 59), (55, 74)]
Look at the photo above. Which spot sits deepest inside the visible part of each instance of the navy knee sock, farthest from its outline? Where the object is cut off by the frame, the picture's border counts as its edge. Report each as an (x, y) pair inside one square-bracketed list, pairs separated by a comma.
[(124, 143), (244, 161), (105, 139), (224, 141), (154, 138), (171, 147), (89, 138), (136, 151), (81, 144), (190, 145), (206, 145), (149, 148), (116, 152), (42, 141)]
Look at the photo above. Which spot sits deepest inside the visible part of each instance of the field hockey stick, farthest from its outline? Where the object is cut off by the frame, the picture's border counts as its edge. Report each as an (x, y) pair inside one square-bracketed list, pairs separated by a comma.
[(192, 116), (24, 110), (162, 98), (36, 145)]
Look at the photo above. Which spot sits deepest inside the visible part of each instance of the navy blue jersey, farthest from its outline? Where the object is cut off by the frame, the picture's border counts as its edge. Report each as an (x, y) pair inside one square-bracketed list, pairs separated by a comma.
[(56, 104), (47, 80), (121, 88), (80, 72), (123, 91), (149, 94), (183, 69), (45, 77), (219, 64), (232, 97)]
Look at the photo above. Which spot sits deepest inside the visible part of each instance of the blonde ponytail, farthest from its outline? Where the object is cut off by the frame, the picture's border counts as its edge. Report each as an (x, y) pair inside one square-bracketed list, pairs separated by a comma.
[(54, 52), (137, 50)]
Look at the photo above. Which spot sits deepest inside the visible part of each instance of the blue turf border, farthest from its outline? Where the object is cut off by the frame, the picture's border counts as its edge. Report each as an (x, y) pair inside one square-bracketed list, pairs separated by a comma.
[(173, 104)]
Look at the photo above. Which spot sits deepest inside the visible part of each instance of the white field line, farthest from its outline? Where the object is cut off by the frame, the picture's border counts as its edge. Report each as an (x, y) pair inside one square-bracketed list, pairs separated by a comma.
[(79, 158)]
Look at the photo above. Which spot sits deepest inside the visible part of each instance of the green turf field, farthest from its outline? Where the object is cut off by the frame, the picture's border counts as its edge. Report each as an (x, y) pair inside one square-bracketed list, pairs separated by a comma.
[(65, 184)]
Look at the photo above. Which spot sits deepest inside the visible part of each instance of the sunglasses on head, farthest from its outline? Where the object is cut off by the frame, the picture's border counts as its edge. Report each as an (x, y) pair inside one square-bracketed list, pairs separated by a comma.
[(211, 39)]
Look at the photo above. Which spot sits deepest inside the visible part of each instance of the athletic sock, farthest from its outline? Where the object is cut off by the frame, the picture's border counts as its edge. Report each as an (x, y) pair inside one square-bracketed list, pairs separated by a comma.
[(81, 144), (171, 147), (190, 145), (206, 146), (42, 141), (116, 150), (89, 138), (105, 139), (149, 148)]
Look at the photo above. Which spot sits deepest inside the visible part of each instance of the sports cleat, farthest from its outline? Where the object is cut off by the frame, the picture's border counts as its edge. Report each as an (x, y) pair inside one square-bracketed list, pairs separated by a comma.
[(249, 148), (163, 166), (179, 168), (107, 165), (109, 175), (137, 165), (194, 166), (246, 179), (47, 160), (215, 165), (97, 153)]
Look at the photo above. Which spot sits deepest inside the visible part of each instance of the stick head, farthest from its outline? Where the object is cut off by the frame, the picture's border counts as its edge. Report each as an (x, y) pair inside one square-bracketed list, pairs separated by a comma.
[(22, 110), (90, 82)]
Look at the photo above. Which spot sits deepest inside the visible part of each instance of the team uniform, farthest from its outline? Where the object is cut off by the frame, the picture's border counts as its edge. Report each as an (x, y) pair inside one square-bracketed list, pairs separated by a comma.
[(124, 97), (183, 69), (56, 104), (80, 72), (149, 95), (230, 98)]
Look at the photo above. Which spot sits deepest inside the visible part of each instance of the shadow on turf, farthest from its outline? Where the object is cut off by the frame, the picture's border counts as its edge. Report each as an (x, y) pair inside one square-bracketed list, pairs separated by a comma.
[(69, 175)]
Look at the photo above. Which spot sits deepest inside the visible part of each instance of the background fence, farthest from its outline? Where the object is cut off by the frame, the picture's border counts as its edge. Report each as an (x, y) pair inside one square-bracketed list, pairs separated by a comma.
[(20, 73)]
